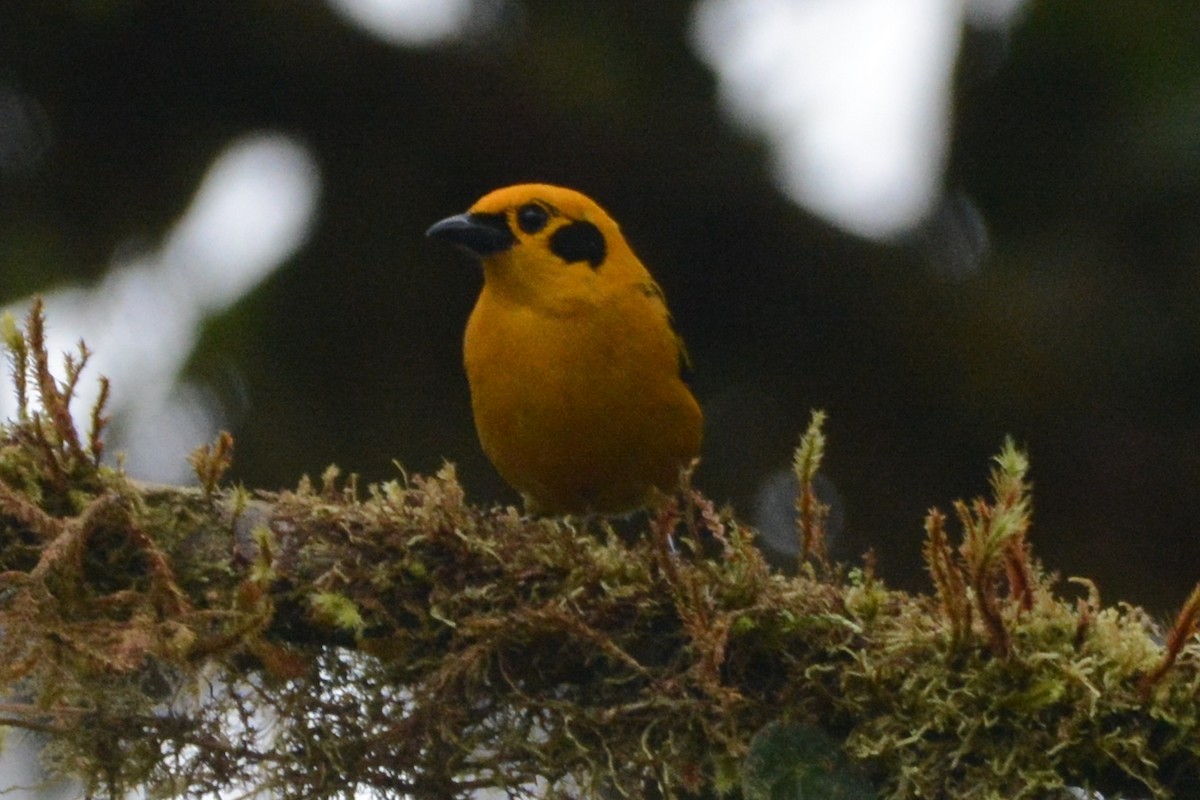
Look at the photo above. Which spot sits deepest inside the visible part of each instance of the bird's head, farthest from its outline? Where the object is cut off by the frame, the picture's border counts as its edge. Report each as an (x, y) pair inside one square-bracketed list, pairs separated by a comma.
[(536, 239)]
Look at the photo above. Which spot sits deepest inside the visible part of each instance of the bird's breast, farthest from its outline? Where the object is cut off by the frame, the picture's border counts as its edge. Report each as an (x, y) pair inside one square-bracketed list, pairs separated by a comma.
[(582, 409)]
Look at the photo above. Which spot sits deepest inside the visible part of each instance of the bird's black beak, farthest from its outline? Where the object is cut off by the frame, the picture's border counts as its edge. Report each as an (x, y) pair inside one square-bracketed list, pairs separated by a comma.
[(482, 234)]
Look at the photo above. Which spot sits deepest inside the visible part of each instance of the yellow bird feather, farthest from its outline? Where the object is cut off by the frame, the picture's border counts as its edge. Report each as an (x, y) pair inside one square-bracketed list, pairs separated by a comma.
[(573, 364)]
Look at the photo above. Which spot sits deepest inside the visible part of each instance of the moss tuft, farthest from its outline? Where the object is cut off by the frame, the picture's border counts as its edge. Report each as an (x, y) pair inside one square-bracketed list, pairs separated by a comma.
[(397, 639)]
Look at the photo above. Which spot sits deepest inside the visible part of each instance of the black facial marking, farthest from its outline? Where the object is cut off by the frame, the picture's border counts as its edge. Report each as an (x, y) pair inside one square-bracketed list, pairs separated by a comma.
[(579, 241), (531, 218), (482, 234)]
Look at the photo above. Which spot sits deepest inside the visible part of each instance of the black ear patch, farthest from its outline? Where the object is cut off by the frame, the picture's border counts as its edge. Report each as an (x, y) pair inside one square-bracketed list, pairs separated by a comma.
[(579, 241)]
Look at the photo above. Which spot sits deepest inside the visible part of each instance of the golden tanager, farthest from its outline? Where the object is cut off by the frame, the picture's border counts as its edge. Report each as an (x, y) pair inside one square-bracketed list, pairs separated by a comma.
[(573, 365)]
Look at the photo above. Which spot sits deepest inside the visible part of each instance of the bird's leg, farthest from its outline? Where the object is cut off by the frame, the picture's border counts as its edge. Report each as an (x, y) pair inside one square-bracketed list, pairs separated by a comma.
[(663, 522), (532, 511)]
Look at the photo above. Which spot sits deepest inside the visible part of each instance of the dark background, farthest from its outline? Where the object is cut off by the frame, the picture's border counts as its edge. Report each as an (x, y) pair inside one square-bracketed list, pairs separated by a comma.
[(1076, 137)]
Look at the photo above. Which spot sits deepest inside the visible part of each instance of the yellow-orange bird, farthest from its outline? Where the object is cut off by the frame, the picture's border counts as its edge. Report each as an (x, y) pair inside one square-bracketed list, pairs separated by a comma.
[(573, 364)]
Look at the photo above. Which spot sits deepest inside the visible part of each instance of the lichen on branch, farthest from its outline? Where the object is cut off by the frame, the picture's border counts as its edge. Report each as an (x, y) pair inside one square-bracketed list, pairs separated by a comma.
[(397, 639)]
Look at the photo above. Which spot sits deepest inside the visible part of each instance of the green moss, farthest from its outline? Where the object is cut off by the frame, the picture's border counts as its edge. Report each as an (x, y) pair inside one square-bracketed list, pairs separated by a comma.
[(398, 640), (338, 611)]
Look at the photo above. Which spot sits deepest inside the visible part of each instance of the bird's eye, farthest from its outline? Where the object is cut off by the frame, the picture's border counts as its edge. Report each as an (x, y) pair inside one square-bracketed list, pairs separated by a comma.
[(531, 218)]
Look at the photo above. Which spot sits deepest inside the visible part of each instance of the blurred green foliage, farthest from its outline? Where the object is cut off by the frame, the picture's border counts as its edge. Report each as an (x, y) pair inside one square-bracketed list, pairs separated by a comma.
[(790, 761)]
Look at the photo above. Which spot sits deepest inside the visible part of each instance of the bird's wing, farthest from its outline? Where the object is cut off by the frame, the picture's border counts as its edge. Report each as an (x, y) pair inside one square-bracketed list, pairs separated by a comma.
[(651, 289)]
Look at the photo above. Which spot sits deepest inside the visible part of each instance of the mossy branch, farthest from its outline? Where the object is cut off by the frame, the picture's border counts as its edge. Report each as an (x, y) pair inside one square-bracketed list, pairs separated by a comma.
[(396, 639)]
